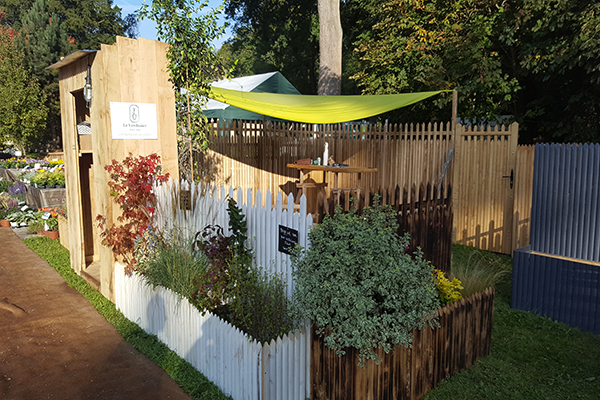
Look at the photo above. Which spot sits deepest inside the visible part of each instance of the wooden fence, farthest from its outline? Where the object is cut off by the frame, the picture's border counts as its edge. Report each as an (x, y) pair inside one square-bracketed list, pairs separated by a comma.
[(491, 176), (523, 182), (253, 155), (241, 367), (484, 186), (464, 336)]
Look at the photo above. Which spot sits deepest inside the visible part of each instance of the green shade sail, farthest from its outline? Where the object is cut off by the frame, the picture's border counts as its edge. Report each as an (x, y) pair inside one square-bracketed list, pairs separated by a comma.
[(270, 82), (318, 109)]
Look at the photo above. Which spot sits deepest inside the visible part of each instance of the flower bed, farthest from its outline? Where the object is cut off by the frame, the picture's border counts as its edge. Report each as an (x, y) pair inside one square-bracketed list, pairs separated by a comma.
[(464, 336), (240, 367)]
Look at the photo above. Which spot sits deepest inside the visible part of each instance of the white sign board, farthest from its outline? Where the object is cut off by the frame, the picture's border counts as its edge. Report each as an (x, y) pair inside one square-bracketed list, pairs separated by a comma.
[(133, 121)]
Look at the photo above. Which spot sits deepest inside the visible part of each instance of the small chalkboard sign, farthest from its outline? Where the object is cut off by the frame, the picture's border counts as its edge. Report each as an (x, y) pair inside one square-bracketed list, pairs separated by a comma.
[(288, 238)]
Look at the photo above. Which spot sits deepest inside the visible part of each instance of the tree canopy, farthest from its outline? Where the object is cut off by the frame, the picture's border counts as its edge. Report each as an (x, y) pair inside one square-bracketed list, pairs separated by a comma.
[(42, 40), (535, 61), (46, 30), (22, 104)]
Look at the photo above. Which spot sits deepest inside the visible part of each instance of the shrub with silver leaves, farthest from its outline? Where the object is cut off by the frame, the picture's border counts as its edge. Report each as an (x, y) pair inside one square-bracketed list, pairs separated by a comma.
[(359, 287)]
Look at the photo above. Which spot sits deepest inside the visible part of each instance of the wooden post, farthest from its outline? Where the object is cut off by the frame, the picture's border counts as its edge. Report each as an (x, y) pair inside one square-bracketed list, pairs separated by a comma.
[(454, 109)]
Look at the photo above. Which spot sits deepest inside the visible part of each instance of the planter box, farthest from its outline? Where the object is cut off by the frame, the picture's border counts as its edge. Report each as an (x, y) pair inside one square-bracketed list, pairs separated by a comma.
[(45, 197), (464, 336), (63, 231), (563, 289), (51, 234), (242, 368)]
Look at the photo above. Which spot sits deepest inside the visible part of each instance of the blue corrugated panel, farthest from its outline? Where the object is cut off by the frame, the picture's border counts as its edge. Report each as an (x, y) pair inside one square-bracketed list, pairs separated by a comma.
[(567, 291), (565, 215)]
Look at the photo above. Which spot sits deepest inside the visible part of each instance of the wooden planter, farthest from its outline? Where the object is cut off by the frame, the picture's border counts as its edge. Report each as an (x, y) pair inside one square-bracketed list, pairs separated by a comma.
[(51, 234), (63, 230), (464, 336)]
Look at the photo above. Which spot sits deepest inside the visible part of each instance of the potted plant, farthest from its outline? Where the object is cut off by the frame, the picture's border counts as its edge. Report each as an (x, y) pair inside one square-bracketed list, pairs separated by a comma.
[(21, 217), (40, 179), (57, 178), (51, 228), (7, 206)]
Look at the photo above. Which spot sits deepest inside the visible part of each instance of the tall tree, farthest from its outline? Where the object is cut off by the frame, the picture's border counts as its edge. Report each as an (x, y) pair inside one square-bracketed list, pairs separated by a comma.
[(418, 45), (22, 104), (284, 35), (43, 42), (88, 22), (193, 63), (330, 48), (553, 48)]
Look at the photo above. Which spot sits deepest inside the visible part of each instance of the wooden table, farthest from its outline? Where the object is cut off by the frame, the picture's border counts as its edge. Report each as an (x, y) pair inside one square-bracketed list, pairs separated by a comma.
[(335, 190)]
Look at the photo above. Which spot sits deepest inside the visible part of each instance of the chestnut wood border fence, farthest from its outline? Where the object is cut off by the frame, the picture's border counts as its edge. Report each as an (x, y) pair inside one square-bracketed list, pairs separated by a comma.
[(464, 336)]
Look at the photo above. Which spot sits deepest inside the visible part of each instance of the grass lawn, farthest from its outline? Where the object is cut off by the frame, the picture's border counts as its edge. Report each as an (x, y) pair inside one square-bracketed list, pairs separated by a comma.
[(191, 381), (532, 357)]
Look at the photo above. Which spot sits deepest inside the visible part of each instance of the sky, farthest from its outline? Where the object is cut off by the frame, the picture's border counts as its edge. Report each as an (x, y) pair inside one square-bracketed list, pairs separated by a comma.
[(147, 28)]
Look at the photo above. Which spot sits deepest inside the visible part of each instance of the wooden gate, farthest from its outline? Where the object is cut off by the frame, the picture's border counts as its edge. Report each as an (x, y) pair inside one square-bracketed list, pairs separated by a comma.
[(484, 186)]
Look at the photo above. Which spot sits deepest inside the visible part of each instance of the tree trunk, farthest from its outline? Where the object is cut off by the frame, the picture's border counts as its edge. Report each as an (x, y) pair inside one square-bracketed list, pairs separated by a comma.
[(330, 48)]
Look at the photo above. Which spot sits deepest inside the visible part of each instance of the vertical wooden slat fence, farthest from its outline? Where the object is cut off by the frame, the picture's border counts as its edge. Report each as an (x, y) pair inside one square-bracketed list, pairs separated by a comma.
[(489, 212), (484, 186), (464, 336), (190, 208), (240, 366), (251, 155), (523, 193)]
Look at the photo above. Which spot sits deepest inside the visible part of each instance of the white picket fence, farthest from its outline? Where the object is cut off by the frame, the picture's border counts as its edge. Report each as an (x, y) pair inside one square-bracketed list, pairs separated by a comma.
[(240, 367), (209, 207)]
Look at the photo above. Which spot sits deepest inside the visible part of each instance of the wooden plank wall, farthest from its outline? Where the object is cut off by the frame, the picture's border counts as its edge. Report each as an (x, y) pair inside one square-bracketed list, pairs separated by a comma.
[(131, 70), (483, 197), (71, 81), (254, 156), (523, 193), (464, 336)]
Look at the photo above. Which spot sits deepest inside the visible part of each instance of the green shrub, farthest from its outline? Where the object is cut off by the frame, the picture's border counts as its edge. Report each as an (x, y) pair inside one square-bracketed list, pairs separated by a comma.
[(4, 185), (258, 304), (448, 290), (477, 272), (176, 265), (359, 287), (35, 227)]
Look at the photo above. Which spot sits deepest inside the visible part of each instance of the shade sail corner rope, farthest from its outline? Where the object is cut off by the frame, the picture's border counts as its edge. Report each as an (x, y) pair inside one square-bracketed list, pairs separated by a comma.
[(318, 109)]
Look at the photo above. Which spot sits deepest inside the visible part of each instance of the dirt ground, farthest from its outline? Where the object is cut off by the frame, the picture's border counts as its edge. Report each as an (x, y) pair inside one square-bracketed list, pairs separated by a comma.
[(55, 345)]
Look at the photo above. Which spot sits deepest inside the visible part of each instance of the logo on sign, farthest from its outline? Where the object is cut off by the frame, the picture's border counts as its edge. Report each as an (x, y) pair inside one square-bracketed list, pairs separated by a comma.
[(134, 113)]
